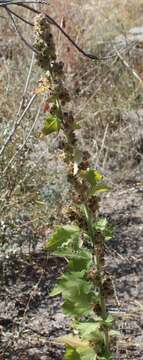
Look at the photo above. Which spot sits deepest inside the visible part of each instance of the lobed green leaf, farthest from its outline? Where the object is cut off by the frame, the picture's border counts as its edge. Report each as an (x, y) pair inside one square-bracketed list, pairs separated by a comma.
[(71, 354), (52, 124), (98, 188), (65, 235), (77, 292), (93, 176), (88, 329), (87, 353), (102, 225)]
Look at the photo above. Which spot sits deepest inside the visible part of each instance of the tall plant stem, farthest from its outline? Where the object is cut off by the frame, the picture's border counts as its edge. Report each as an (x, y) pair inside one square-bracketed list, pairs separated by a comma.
[(97, 259), (102, 297)]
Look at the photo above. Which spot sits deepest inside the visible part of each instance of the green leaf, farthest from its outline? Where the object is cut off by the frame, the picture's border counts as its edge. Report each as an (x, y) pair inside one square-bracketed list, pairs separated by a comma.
[(65, 235), (93, 176), (71, 340), (81, 261), (87, 353), (99, 188), (101, 224), (78, 261), (107, 356), (95, 179), (71, 283), (71, 354), (66, 253), (85, 213), (76, 348), (108, 233), (52, 124), (56, 291), (78, 306), (114, 333), (77, 126), (77, 293), (88, 329), (109, 321)]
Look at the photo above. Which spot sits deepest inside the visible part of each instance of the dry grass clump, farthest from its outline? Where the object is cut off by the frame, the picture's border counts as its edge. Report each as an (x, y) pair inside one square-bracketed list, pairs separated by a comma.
[(103, 20), (108, 95), (109, 99)]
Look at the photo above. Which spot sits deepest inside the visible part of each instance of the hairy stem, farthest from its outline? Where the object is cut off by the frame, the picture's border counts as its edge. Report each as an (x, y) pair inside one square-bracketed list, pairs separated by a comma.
[(102, 297)]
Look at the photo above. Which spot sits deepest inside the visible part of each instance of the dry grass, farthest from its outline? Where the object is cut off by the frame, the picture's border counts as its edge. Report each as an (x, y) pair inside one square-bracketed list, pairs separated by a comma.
[(109, 91)]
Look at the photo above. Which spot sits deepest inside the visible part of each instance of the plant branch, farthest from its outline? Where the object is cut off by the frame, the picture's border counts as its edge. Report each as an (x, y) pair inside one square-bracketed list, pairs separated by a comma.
[(18, 31), (26, 84), (20, 17)]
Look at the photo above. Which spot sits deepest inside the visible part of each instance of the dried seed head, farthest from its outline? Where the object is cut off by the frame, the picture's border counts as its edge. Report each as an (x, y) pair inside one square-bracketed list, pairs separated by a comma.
[(92, 273), (68, 118), (86, 155), (44, 42), (57, 69), (108, 286), (93, 204), (84, 165), (53, 109), (61, 92)]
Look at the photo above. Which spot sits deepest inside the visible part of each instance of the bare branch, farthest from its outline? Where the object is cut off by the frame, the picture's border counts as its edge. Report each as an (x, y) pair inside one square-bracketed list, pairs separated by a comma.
[(4, 3), (26, 85), (21, 18), (18, 31)]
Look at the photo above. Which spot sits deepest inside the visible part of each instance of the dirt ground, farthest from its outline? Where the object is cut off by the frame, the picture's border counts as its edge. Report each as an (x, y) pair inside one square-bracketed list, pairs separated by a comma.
[(124, 208), (30, 319)]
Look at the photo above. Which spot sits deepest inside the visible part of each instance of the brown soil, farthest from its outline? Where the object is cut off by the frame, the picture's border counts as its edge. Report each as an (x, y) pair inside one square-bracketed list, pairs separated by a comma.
[(124, 207)]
